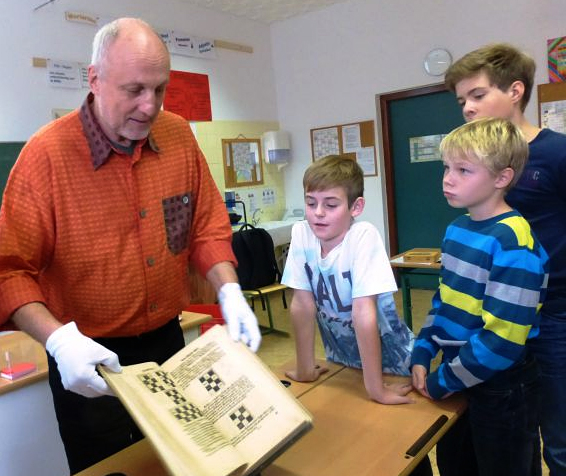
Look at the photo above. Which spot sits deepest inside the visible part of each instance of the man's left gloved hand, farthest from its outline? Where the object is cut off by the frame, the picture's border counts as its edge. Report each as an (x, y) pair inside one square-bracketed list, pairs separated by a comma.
[(241, 321)]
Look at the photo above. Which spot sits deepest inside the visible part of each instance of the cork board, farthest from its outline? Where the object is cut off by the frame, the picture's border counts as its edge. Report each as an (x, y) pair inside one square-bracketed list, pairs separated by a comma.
[(552, 94), (355, 140)]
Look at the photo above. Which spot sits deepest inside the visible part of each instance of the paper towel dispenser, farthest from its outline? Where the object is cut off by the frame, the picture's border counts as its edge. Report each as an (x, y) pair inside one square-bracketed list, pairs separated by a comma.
[(277, 147)]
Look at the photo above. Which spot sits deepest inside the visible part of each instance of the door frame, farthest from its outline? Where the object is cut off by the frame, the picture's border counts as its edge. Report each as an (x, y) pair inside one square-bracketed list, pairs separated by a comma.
[(386, 150)]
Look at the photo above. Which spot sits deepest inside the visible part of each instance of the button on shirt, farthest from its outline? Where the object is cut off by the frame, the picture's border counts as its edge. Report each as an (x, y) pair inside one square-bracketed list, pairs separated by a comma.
[(103, 238)]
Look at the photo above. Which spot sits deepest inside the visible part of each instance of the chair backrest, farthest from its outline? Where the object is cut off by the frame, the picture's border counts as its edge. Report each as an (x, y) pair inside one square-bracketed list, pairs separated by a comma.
[(254, 250)]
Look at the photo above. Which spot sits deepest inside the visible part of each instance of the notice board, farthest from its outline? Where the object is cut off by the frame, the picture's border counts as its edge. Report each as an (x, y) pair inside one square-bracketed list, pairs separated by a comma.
[(552, 106), (355, 140)]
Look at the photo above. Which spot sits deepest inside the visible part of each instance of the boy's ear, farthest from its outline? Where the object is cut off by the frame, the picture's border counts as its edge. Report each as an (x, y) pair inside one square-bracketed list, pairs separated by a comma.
[(516, 90), (504, 177), (357, 207)]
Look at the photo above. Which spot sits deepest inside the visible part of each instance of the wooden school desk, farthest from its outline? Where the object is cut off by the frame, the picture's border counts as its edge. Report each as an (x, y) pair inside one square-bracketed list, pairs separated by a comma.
[(354, 435), (406, 269), (26, 406), (351, 434)]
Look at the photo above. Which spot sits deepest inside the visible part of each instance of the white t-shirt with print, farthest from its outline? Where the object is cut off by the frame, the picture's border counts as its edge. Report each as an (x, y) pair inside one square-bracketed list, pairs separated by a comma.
[(357, 267)]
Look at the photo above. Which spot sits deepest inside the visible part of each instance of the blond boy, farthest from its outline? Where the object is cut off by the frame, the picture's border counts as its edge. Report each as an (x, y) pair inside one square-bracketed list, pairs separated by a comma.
[(497, 80), (491, 287)]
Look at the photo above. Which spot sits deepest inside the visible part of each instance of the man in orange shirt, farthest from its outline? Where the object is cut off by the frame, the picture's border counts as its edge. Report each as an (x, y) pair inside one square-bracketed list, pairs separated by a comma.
[(101, 215)]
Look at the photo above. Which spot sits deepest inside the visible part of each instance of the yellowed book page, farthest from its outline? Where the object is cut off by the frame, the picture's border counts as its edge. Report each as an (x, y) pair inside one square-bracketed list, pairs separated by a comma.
[(185, 440), (239, 395)]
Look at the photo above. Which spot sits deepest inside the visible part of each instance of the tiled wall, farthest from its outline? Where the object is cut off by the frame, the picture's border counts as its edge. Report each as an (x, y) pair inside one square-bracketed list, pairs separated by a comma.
[(209, 136)]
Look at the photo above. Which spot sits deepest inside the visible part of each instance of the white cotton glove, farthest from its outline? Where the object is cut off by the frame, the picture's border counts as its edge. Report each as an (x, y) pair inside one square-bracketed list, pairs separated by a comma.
[(242, 323), (77, 356)]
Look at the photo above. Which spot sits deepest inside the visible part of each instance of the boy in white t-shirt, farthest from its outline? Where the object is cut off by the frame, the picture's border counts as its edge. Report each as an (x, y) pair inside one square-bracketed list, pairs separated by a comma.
[(342, 279)]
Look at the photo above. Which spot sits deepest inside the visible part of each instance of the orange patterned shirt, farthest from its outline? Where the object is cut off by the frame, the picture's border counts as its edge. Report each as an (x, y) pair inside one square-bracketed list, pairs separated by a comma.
[(103, 238)]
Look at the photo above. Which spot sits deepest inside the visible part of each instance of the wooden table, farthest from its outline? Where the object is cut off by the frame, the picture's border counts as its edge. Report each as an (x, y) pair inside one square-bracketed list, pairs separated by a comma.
[(351, 434), (354, 435), (300, 388), (23, 345), (407, 269), (29, 440)]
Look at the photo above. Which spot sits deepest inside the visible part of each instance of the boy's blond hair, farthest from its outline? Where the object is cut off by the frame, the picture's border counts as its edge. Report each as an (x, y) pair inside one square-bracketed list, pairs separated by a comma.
[(335, 171), (495, 143), (502, 63)]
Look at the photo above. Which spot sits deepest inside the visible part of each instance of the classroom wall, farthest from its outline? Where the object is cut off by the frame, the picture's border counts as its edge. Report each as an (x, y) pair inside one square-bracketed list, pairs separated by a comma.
[(210, 135), (241, 84), (330, 64), (319, 69)]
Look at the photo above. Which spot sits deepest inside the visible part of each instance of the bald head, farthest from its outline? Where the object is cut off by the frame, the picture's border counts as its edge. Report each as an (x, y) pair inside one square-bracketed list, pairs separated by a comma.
[(128, 77), (136, 32)]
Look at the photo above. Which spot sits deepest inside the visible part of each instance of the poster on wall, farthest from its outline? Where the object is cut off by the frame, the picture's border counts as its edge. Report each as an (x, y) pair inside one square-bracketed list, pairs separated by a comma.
[(325, 142), (553, 116), (557, 59), (425, 148), (188, 94)]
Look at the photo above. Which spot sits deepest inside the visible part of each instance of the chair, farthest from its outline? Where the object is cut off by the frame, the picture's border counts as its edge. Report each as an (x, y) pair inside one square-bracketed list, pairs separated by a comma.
[(263, 294), (258, 272)]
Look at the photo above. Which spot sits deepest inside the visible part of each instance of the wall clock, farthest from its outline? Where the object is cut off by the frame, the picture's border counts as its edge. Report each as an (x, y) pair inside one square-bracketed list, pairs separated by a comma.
[(437, 61)]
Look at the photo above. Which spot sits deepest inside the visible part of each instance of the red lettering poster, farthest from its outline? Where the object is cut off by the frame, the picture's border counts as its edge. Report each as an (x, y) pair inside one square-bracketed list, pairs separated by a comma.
[(188, 94)]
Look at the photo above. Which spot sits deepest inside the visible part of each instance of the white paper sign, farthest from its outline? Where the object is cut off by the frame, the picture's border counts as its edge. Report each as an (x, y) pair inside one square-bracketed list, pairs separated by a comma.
[(189, 45), (425, 148), (83, 68), (63, 74), (351, 139), (365, 156), (166, 36), (553, 115)]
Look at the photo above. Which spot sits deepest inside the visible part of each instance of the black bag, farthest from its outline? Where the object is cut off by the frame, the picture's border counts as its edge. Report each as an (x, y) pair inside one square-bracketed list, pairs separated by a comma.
[(255, 253)]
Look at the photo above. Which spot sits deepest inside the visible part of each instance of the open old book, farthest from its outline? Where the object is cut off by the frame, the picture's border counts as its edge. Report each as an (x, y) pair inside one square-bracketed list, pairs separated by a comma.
[(213, 409)]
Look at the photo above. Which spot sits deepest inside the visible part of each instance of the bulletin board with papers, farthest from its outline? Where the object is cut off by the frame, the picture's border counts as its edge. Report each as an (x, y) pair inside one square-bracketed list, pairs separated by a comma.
[(355, 140), (552, 106)]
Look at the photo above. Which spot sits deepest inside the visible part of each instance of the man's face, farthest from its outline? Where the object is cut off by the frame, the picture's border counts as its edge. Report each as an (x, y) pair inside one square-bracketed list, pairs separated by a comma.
[(129, 87), (478, 98)]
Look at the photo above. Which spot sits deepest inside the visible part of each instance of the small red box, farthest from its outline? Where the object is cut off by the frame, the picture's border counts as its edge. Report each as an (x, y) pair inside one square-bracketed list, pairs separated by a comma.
[(212, 309), (18, 370)]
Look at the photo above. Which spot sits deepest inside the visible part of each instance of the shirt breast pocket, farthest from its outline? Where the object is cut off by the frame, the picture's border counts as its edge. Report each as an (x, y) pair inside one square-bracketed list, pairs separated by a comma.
[(177, 213)]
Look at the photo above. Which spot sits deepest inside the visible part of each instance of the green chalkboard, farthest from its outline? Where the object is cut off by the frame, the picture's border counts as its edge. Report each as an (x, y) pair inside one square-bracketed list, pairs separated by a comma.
[(9, 152)]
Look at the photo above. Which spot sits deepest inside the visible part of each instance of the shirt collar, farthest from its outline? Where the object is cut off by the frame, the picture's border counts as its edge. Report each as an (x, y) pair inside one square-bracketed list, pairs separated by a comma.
[(99, 144)]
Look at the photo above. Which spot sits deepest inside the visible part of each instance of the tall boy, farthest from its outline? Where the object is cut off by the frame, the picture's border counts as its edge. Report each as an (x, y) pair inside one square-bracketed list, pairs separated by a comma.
[(491, 286), (497, 80), (340, 274)]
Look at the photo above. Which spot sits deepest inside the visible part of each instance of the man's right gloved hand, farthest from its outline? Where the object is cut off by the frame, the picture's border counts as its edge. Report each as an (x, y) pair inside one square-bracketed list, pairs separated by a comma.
[(77, 356)]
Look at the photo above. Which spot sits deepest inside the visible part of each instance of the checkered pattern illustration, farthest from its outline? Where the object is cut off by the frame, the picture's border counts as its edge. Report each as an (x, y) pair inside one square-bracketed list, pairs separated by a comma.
[(211, 381), (186, 413), (165, 377), (241, 417), (153, 382), (175, 396)]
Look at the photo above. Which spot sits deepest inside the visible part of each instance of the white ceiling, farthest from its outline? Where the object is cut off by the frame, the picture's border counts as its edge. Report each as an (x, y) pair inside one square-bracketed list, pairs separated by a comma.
[(265, 11)]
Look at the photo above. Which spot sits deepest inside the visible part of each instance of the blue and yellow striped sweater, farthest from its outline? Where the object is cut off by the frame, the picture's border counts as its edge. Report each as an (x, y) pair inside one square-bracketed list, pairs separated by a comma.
[(492, 282)]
